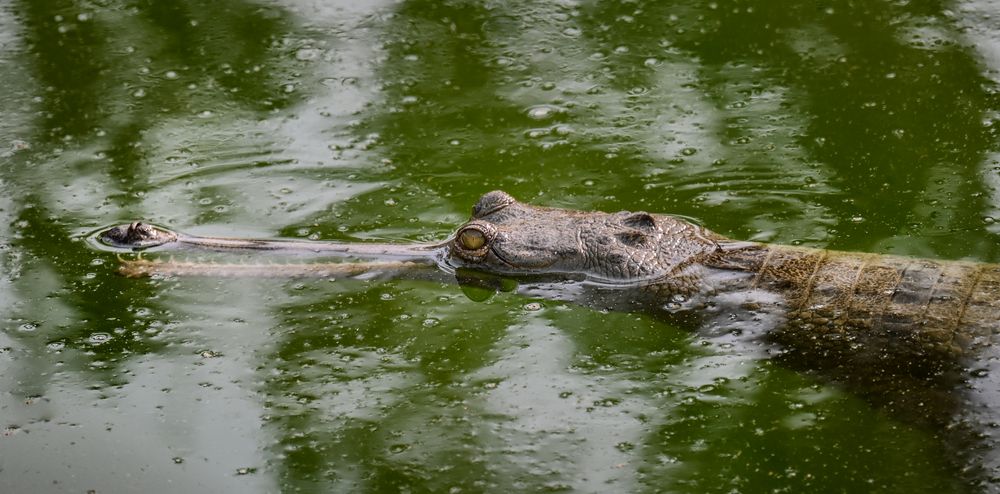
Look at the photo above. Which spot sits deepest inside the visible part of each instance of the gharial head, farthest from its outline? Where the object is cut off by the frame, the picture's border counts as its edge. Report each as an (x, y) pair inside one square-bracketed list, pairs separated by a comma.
[(136, 235), (509, 237)]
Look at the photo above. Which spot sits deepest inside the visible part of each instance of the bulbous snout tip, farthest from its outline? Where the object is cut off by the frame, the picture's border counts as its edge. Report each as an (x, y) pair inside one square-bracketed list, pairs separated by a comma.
[(135, 235)]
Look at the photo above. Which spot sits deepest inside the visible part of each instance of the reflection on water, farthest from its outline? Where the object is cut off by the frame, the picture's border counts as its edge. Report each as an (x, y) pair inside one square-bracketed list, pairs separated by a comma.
[(859, 127)]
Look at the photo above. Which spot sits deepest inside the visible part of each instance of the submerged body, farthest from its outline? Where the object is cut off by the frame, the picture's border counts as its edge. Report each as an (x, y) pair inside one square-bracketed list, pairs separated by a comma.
[(942, 308), (935, 309), (914, 336)]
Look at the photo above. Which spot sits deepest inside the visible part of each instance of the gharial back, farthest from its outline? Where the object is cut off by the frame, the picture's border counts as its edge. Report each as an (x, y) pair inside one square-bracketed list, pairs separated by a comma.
[(912, 309)]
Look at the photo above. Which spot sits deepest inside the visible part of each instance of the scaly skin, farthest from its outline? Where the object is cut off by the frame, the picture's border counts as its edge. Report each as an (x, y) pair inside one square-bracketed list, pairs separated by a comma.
[(942, 307), (905, 333)]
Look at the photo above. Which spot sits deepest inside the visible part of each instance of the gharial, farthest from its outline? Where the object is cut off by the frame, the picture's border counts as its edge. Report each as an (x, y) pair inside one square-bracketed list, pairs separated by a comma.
[(914, 336)]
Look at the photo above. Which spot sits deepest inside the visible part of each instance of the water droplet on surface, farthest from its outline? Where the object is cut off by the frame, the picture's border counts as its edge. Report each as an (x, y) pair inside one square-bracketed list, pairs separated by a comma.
[(99, 338), (572, 32), (542, 112), (306, 54)]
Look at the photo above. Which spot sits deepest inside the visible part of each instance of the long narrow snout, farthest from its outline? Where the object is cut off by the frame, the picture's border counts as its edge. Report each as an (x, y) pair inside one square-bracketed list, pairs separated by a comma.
[(138, 236)]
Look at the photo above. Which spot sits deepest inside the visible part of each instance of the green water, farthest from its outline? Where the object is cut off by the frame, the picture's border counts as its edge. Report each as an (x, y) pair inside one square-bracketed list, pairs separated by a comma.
[(869, 126)]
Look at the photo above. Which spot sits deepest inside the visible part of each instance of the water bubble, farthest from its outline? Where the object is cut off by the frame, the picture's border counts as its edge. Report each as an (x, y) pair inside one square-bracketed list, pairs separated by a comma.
[(651, 62), (99, 338), (562, 130), (572, 32), (688, 151), (27, 327), (409, 100), (533, 306), (139, 93), (542, 112), (170, 74), (245, 470), (306, 54), (548, 86), (989, 220)]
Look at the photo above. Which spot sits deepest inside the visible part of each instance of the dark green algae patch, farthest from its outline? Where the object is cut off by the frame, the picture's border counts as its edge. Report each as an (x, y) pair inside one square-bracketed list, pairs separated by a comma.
[(856, 127)]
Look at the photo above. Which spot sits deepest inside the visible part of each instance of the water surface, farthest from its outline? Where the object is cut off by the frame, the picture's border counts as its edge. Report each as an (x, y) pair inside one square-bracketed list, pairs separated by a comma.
[(869, 127)]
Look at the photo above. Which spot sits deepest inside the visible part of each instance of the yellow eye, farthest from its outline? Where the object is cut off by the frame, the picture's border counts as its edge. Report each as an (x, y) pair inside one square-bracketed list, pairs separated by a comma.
[(472, 239)]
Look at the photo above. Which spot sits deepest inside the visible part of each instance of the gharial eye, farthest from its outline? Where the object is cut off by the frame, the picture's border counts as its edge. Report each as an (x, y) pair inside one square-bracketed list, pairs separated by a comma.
[(472, 239)]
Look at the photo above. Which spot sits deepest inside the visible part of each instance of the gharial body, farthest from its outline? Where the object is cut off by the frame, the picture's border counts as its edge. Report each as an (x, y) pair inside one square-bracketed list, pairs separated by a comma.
[(936, 308), (915, 336)]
